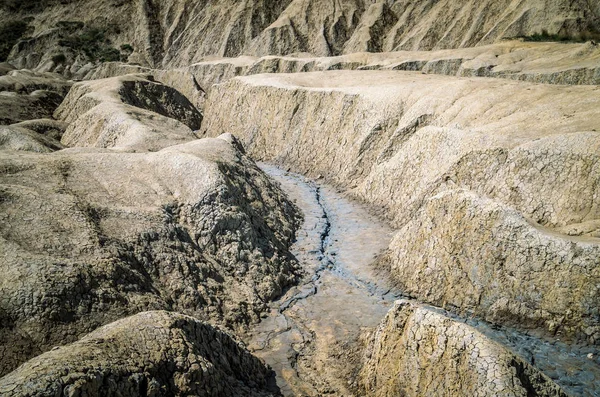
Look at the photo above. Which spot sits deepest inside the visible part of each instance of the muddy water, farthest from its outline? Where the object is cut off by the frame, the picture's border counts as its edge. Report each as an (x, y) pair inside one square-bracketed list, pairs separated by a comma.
[(310, 333), (338, 298)]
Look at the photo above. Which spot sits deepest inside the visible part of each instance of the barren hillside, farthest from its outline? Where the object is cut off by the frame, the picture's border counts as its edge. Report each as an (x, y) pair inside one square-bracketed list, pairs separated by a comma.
[(299, 198), (179, 32)]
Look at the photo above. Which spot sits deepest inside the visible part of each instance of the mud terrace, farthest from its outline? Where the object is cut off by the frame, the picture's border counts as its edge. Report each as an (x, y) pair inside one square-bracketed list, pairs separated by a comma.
[(299, 198)]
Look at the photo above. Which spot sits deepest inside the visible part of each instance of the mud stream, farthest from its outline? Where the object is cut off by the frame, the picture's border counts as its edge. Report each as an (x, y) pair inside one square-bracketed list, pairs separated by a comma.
[(310, 337)]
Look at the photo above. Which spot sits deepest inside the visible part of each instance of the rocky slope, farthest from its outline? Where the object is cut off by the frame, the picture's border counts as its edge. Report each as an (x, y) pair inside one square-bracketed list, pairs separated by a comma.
[(417, 351), (67, 35), (404, 142), (89, 236), (149, 354), (131, 112)]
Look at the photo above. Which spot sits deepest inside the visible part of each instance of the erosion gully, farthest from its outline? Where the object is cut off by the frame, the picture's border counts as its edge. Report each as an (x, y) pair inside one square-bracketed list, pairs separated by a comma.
[(311, 336)]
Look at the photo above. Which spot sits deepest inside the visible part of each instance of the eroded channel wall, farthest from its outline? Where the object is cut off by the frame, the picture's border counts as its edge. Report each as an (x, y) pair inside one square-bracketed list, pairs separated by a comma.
[(493, 185)]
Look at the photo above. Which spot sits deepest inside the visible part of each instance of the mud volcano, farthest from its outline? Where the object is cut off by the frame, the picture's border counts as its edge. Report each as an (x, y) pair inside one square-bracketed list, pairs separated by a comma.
[(299, 198)]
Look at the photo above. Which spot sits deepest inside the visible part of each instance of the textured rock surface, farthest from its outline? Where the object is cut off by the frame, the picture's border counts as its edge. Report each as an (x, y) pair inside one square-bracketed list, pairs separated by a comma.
[(472, 253), (396, 140), (88, 236), (417, 351), (180, 32), (132, 112), (551, 63), (42, 136), (151, 353)]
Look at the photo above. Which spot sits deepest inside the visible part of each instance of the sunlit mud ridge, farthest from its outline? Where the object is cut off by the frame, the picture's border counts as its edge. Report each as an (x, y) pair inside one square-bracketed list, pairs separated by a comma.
[(430, 354), (403, 142)]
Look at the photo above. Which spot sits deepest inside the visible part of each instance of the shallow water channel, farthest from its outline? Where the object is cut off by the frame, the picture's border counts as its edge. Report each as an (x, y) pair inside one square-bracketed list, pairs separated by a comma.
[(310, 333)]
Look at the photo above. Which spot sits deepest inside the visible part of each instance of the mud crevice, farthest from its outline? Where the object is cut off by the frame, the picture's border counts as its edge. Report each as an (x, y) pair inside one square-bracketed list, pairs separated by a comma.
[(327, 263)]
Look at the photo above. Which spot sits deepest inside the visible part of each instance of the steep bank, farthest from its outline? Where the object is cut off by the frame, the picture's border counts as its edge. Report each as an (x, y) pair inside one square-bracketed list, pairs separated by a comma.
[(416, 352), (396, 140)]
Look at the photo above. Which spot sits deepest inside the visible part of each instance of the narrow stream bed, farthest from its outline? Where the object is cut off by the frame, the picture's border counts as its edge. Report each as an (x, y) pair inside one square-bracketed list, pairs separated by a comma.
[(309, 337)]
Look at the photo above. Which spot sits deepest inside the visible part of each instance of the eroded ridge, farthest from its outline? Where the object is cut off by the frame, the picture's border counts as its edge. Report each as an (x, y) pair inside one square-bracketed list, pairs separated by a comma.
[(126, 241), (151, 353), (89, 236), (131, 112), (405, 143)]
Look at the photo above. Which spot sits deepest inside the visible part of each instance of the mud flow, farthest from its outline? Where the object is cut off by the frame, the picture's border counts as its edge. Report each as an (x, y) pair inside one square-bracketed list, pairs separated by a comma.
[(312, 335)]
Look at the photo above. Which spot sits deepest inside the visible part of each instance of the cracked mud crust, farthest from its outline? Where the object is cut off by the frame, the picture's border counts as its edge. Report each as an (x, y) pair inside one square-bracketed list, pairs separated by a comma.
[(195, 228), (440, 152), (419, 352), (153, 353)]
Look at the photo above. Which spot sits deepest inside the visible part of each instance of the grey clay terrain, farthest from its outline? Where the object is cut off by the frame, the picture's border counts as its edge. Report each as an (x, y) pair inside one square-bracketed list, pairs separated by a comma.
[(299, 198)]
